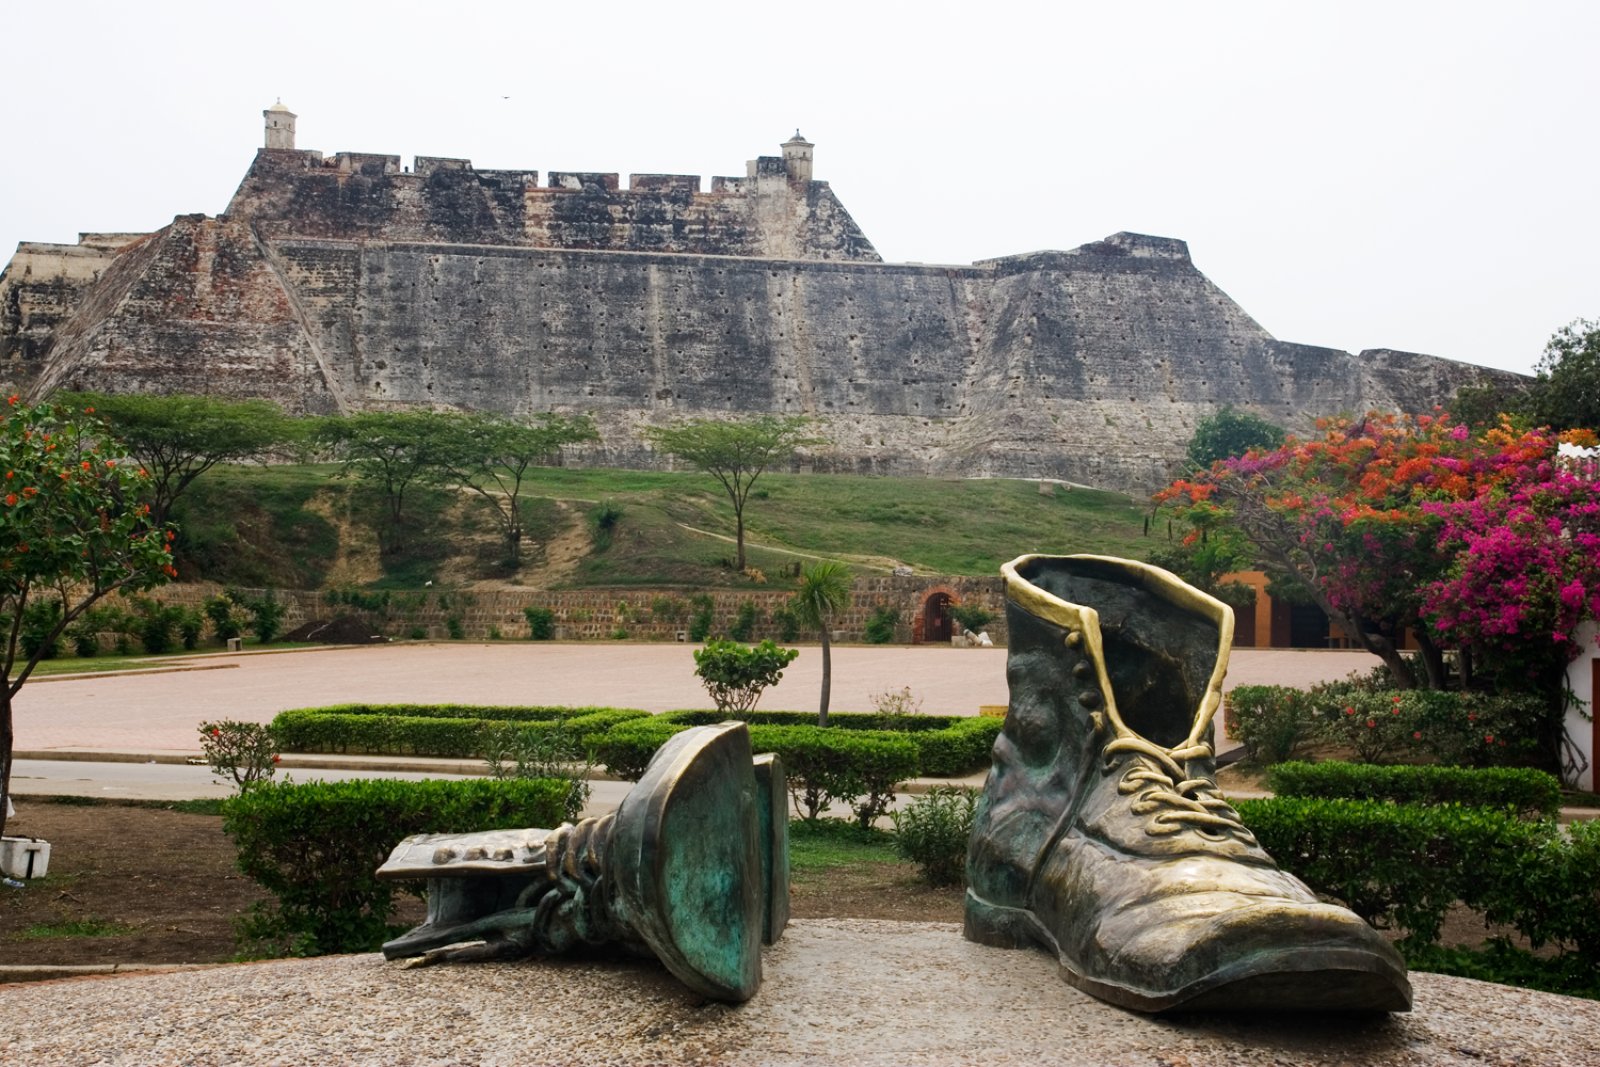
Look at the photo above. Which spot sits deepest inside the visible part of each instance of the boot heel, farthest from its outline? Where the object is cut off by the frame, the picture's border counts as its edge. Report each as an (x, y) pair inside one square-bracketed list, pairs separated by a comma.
[(996, 925)]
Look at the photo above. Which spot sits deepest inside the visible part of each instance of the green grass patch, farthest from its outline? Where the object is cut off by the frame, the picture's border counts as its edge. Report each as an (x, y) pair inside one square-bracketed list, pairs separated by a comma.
[(828, 843), (68, 664), (208, 806), (71, 928), (264, 526)]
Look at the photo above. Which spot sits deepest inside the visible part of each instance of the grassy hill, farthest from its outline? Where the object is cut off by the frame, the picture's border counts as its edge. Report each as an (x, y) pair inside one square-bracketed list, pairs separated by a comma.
[(305, 527)]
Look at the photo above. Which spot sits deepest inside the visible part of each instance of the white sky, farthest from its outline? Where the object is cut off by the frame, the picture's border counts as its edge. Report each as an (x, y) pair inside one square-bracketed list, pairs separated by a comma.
[(1419, 176)]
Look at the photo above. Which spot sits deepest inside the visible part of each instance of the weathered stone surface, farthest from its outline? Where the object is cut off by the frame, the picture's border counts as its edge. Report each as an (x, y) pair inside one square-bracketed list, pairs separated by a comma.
[(349, 283)]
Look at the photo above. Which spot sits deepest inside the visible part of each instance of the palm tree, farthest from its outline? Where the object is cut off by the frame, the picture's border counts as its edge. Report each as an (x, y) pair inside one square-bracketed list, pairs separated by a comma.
[(824, 591)]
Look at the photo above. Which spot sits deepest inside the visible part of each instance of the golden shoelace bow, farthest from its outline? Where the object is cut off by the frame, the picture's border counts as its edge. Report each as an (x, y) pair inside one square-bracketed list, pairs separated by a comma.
[(1164, 793)]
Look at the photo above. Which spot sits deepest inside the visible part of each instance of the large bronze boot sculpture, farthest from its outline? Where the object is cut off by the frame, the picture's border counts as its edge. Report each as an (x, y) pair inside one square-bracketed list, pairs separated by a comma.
[(692, 867), (1101, 834)]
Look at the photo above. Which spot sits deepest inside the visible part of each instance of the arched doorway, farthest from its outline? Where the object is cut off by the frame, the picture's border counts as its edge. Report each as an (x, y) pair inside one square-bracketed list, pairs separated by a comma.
[(935, 614)]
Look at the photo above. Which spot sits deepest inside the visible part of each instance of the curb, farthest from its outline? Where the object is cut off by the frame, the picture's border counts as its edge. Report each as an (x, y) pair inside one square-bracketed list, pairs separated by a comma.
[(44, 972)]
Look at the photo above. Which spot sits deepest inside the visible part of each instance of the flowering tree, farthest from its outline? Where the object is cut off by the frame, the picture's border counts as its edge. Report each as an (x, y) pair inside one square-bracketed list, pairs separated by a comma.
[(1525, 567), (70, 533), (1485, 543), (1342, 513)]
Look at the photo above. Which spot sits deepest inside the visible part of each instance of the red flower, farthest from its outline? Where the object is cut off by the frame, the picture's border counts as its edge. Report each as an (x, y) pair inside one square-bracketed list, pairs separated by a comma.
[(277, 758), (1349, 711), (1488, 739), (1371, 724), (11, 499), (1416, 735)]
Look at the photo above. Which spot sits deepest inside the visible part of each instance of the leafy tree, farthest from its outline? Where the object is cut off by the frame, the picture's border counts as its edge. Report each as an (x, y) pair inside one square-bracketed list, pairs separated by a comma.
[(824, 592), (1566, 393), (1342, 514), (69, 532), (736, 674), (734, 453), (491, 455), (1480, 405), (179, 438), (1231, 433), (390, 452)]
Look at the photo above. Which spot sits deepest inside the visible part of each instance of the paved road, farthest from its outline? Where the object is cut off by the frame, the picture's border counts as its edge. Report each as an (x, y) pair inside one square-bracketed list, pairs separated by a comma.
[(159, 712)]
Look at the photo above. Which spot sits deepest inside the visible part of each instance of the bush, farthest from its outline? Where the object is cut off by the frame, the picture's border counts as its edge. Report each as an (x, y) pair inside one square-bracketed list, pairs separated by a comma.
[(824, 766), (555, 754), (603, 520), (39, 618), (703, 616), (266, 615), (225, 622), (744, 621), (243, 751), (1527, 792), (973, 617), (1385, 725), (880, 625), (190, 626), (315, 848), (948, 745), (736, 674), (541, 623), (155, 623), (932, 831), (450, 730), (786, 621), (1271, 722)]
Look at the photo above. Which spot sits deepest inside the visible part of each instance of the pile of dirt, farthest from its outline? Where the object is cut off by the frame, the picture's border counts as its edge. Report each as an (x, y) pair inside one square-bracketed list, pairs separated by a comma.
[(342, 630)]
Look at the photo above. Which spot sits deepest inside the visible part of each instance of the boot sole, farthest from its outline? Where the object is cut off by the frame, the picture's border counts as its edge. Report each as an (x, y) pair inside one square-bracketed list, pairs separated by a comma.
[(1342, 980)]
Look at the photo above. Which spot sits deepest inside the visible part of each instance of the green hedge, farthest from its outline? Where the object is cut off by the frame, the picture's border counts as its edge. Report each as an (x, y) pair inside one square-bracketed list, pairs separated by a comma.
[(315, 848), (949, 745), (1464, 729), (1404, 865), (1531, 793), (446, 730), (824, 766)]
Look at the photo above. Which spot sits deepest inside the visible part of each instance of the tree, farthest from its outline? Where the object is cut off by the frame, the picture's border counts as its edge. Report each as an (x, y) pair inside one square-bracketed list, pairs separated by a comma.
[(1231, 433), (71, 532), (390, 452), (1566, 393), (491, 456), (1342, 513), (824, 592), (735, 674), (179, 438), (734, 453)]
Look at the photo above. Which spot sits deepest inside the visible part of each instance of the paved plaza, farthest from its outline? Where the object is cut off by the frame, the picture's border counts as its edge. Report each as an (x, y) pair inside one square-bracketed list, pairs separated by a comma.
[(158, 712)]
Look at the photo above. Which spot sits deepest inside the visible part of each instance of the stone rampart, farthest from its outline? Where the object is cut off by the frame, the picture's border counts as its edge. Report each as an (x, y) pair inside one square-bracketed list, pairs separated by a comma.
[(349, 283)]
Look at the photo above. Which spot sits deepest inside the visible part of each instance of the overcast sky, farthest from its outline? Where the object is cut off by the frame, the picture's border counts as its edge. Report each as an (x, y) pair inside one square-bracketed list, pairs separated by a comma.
[(1419, 176)]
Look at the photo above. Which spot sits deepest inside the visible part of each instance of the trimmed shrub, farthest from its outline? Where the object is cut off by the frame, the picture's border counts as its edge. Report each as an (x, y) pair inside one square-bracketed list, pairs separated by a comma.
[(735, 674), (932, 831), (1403, 866), (948, 745), (824, 766), (744, 621), (1270, 721), (315, 848), (449, 730), (1529, 793)]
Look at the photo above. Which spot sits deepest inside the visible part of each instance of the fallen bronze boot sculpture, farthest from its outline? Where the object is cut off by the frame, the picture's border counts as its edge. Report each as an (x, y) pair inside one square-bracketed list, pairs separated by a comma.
[(692, 867), (1101, 834)]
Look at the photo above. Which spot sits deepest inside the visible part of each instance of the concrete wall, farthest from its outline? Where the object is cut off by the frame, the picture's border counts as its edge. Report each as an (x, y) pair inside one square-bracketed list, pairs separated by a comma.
[(1583, 727)]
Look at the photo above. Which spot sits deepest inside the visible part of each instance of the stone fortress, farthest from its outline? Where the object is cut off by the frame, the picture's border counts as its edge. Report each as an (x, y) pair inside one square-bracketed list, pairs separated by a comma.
[(347, 283)]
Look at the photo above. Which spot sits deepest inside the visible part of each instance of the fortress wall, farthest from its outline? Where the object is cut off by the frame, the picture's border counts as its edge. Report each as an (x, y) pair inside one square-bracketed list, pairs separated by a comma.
[(199, 310), (39, 291)]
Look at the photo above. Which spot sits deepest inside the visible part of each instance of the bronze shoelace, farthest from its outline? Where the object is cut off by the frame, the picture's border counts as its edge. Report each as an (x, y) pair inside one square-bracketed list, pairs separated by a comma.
[(1167, 796)]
